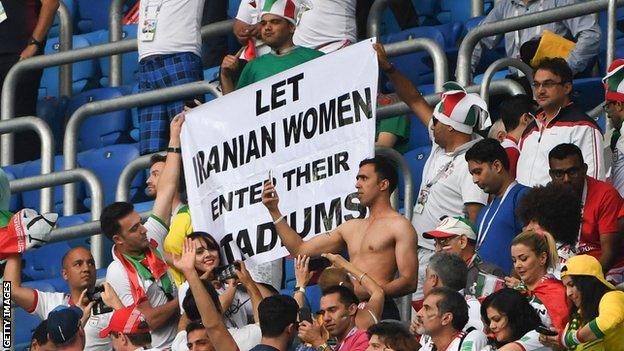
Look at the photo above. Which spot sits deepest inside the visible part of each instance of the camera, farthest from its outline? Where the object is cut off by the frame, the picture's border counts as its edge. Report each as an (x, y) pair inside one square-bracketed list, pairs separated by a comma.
[(224, 273), (99, 307)]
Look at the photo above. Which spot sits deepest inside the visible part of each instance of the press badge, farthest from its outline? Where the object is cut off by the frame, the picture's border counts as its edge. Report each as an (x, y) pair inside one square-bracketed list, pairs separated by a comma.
[(421, 201), (3, 15), (149, 24)]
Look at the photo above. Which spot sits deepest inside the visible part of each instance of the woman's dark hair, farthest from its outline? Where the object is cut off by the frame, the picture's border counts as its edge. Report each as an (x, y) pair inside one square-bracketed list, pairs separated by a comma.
[(591, 290), (521, 317), (209, 240)]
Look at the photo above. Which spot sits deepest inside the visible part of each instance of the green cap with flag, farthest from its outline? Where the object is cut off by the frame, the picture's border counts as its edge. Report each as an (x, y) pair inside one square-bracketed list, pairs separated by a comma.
[(287, 9), (461, 110), (614, 81)]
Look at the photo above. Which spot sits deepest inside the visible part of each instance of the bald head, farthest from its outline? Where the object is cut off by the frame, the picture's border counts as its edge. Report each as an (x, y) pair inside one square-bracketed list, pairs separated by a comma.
[(79, 268), (76, 251)]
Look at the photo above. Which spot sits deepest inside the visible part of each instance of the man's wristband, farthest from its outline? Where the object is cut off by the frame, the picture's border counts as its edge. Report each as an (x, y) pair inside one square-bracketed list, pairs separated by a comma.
[(177, 150), (390, 70), (278, 220), (35, 42), (300, 289)]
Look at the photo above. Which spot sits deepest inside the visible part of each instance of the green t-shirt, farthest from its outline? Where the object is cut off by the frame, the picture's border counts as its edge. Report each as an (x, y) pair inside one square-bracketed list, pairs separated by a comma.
[(271, 64), (399, 126)]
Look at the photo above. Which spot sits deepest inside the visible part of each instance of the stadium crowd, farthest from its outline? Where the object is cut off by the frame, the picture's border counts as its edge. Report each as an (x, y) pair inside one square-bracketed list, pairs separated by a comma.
[(515, 242)]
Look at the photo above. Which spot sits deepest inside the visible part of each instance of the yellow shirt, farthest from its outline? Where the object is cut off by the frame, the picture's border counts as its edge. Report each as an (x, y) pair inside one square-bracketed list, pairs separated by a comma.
[(180, 227), (609, 325)]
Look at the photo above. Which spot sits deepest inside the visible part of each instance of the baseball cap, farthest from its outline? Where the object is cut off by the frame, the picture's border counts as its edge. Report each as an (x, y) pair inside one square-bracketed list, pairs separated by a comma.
[(585, 265), (126, 320), (452, 226), (63, 323)]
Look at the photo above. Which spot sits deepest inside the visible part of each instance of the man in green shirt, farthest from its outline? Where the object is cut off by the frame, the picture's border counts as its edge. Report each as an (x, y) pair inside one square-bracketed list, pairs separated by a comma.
[(277, 26)]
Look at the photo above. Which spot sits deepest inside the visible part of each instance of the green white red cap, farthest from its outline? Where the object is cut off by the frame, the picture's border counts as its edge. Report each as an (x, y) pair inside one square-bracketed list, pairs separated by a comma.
[(614, 81), (287, 9)]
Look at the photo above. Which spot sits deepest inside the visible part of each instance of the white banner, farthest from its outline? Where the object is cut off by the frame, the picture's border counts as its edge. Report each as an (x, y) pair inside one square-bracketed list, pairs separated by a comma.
[(310, 126)]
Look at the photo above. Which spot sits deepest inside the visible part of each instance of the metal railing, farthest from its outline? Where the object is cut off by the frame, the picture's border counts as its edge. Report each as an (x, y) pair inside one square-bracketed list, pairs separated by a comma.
[(404, 302), (476, 8), (127, 175), (497, 65), (66, 32), (496, 87), (10, 83), (115, 34), (64, 177), (611, 23), (440, 65), (70, 139), (47, 150), (468, 44)]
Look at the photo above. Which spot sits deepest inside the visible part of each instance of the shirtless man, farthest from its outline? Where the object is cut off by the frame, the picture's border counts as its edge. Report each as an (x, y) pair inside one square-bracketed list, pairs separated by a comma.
[(378, 245)]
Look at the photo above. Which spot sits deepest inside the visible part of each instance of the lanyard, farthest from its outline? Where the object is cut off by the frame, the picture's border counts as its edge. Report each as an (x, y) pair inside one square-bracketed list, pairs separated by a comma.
[(443, 170), (351, 333), (150, 4), (482, 233), (538, 29)]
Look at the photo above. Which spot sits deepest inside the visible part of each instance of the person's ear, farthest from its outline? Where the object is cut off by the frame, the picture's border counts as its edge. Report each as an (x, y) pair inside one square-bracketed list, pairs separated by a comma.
[(352, 309), (500, 135), (497, 165), (543, 258), (584, 168), (436, 280), (384, 184), (118, 239), (447, 318), (463, 241), (567, 87)]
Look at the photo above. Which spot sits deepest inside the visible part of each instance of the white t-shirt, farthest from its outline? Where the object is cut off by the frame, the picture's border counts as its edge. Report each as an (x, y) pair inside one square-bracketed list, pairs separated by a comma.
[(246, 338), (236, 315), (326, 22), (474, 313), (117, 277), (45, 302), (473, 341), (449, 194), (178, 25)]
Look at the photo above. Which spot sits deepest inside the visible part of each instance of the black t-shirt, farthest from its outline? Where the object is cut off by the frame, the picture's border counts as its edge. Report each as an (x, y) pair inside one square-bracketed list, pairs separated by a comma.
[(14, 31)]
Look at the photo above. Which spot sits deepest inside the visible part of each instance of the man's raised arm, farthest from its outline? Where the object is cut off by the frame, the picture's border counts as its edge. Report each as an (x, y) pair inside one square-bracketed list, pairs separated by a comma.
[(404, 87), (168, 182), (405, 250), (23, 297), (330, 242)]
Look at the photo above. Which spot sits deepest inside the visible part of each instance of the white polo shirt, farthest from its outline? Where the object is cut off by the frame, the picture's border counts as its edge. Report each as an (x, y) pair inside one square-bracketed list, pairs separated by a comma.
[(45, 302), (449, 194), (473, 341), (117, 277), (178, 27)]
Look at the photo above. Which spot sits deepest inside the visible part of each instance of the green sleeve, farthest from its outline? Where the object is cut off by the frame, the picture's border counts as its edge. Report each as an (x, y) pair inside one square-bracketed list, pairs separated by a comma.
[(398, 126)]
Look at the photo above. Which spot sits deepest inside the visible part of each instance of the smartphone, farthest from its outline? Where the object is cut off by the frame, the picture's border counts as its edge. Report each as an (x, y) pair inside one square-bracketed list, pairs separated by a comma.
[(305, 314), (271, 181), (318, 263), (545, 331), (190, 103)]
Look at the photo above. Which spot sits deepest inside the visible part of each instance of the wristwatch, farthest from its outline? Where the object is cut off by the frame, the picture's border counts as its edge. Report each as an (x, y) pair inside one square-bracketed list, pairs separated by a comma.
[(299, 288), (322, 347), (35, 42)]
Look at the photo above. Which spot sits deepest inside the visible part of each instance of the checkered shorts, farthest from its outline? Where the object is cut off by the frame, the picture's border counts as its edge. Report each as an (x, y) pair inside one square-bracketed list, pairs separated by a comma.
[(157, 72)]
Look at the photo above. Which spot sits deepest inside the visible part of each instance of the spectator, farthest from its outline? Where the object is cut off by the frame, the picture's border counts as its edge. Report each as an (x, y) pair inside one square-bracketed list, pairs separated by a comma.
[(393, 132), (449, 270), (497, 131), (442, 318), (277, 26), (278, 322), (138, 263), (169, 43), (598, 312), (533, 255), (390, 335), (207, 304), (66, 328), (497, 222), (584, 30), (395, 240), (600, 235), (246, 337), (516, 113), (555, 209), (197, 337), (446, 188), (614, 107), (338, 307), (552, 83), (456, 235), (23, 34), (509, 316), (40, 340), (128, 330), (78, 270), (157, 164)]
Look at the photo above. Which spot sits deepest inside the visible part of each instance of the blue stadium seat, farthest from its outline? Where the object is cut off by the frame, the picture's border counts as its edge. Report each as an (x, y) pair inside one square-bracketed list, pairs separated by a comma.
[(15, 172), (488, 56), (134, 132), (27, 324), (414, 65), (426, 10), (588, 92), (416, 160), (83, 72), (30, 199), (130, 60), (92, 15), (107, 163), (143, 206), (44, 262), (233, 8), (104, 129), (52, 110), (453, 10)]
